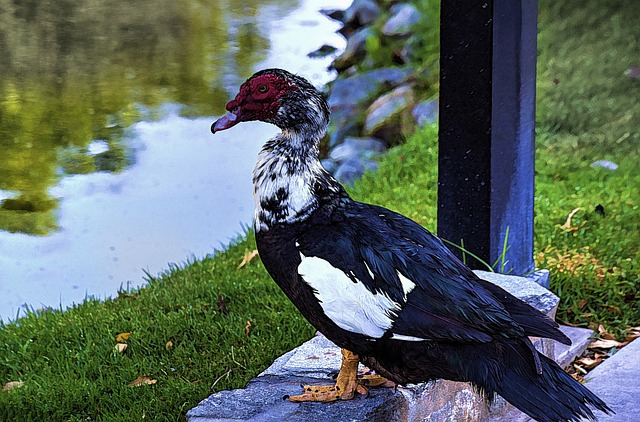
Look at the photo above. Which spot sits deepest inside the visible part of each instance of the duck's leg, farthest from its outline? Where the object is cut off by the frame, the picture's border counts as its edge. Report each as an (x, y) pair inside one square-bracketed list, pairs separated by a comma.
[(347, 383)]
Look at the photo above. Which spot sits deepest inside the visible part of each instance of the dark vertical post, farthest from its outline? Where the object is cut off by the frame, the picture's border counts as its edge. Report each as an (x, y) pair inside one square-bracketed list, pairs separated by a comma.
[(486, 140)]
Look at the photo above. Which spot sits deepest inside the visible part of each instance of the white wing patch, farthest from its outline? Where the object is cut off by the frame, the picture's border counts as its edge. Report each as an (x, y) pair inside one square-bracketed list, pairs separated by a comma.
[(407, 285), (347, 303), (406, 338)]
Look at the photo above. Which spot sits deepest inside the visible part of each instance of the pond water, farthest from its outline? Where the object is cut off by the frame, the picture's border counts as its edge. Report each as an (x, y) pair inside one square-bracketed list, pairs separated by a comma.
[(108, 169)]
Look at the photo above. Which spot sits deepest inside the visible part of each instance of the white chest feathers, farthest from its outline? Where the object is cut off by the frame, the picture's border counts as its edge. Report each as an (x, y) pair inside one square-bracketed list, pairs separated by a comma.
[(348, 303), (283, 189)]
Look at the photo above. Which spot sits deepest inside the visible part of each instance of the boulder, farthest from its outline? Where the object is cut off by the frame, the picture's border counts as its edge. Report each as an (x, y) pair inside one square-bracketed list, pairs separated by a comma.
[(403, 17), (425, 112), (389, 111), (353, 169), (349, 97), (354, 51), (361, 13), (357, 147)]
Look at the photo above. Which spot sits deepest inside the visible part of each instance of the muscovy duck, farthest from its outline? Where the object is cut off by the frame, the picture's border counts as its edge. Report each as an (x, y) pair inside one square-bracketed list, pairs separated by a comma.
[(381, 286)]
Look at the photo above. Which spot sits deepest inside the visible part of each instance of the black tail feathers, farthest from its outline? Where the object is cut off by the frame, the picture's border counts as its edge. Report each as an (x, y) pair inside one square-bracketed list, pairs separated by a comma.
[(552, 396)]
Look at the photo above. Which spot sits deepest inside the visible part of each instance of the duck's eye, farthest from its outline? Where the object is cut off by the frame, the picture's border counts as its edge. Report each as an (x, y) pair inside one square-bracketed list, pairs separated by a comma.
[(262, 89)]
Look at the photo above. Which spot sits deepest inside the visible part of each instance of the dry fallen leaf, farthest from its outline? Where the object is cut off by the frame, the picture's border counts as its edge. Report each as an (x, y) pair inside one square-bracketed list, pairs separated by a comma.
[(589, 363), (606, 344), (169, 345), (604, 334), (580, 369), (567, 224), (142, 380), (122, 337), (634, 332), (11, 385), (247, 327), (121, 347), (248, 256)]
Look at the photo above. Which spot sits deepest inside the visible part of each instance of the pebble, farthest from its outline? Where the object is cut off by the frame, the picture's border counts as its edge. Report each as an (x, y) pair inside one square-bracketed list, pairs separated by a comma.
[(605, 164)]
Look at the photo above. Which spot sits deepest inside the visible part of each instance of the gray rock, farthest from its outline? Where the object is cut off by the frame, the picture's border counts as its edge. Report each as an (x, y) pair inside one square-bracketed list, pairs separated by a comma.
[(541, 277), (343, 124), (403, 17), (265, 399), (386, 109), (353, 169), (580, 339), (354, 51), (357, 147), (425, 112), (329, 165), (362, 12), (617, 382), (349, 97), (364, 86), (605, 164), (531, 292)]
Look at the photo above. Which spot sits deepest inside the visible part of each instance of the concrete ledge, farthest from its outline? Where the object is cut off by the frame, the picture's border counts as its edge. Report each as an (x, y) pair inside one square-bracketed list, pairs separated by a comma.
[(617, 382), (314, 362)]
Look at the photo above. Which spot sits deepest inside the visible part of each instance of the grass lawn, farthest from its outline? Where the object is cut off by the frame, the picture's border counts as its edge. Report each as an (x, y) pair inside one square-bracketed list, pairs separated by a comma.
[(209, 325)]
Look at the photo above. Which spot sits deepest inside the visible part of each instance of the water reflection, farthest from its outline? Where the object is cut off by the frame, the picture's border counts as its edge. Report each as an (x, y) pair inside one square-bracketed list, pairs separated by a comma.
[(103, 153), (74, 71)]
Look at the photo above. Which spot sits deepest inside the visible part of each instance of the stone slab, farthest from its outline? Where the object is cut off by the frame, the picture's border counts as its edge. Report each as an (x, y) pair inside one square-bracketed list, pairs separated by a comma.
[(525, 288), (264, 399), (580, 339), (617, 382), (314, 362)]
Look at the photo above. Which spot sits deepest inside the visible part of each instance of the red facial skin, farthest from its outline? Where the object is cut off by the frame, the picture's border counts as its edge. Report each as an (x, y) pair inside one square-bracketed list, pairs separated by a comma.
[(257, 100)]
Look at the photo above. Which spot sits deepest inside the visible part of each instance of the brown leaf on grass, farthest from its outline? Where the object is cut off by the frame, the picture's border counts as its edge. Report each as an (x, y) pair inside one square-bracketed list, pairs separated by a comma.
[(634, 332), (604, 334), (606, 344), (247, 328), (121, 347), (169, 345), (248, 256), (222, 308), (581, 303), (11, 385), (142, 380), (123, 337), (567, 224)]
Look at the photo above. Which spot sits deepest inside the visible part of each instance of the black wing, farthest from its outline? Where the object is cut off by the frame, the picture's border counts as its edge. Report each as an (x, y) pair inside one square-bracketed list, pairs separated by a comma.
[(441, 299)]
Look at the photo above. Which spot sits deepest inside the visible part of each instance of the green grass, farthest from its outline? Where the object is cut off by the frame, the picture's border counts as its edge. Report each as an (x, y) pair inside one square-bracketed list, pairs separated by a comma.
[(588, 110), (67, 359), (72, 372)]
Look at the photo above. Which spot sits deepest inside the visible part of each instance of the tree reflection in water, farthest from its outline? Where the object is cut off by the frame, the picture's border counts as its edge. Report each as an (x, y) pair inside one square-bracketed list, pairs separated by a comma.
[(79, 73)]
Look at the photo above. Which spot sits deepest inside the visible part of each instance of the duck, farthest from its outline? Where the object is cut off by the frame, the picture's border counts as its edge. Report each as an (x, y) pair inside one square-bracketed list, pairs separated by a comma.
[(380, 286)]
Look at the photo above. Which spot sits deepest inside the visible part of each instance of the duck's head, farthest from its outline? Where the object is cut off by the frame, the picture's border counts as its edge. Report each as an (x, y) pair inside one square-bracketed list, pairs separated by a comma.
[(278, 97)]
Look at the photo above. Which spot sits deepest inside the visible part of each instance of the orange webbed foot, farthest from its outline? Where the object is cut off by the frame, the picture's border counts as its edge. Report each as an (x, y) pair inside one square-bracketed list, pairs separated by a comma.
[(348, 383)]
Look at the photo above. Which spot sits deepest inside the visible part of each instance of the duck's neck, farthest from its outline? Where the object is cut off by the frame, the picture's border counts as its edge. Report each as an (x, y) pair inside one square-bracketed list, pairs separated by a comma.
[(289, 181)]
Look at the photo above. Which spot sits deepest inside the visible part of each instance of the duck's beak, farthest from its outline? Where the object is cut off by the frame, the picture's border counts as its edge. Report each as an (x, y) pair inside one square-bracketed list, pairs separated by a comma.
[(225, 122)]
